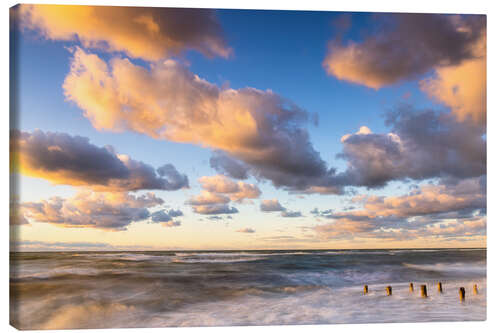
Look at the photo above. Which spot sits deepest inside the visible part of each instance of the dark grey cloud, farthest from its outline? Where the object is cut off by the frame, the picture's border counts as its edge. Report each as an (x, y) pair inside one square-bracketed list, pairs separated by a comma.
[(285, 155), (215, 209), (228, 166), (420, 145), (15, 215), (289, 160), (403, 46), (165, 215), (173, 180), (73, 160)]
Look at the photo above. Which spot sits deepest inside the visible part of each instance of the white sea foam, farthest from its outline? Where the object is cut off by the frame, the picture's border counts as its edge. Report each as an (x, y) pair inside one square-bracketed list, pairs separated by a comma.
[(201, 260), (57, 271), (478, 268), (324, 306)]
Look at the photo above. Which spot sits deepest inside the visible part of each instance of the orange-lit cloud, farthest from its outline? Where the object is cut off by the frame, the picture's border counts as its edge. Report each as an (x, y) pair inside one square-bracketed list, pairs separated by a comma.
[(208, 198), (429, 199), (454, 210), (404, 46), (218, 191), (271, 205), (259, 128), (101, 210), (236, 191), (141, 32), (64, 159), (462, 87)]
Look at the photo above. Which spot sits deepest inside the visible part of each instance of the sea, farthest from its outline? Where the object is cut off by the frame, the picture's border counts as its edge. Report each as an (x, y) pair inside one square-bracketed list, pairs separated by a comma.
[(70, 290)]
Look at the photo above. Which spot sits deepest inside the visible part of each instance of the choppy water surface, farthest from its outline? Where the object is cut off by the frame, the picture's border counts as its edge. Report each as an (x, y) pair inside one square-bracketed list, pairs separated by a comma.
[(155, 289)]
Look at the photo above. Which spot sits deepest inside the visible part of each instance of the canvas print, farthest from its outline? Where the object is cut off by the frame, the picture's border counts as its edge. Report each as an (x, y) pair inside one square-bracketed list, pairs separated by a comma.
[(204, 167)]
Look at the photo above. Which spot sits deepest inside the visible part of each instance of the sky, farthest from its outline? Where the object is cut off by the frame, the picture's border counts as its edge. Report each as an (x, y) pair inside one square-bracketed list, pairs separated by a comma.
[(165, 129)]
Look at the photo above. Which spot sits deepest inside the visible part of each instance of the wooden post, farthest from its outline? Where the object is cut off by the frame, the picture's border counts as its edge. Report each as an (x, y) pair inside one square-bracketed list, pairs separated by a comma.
[(411, 287), (440, 287), (461, 292), (388, 289), (365, 290), (475, 290), (423, 290)]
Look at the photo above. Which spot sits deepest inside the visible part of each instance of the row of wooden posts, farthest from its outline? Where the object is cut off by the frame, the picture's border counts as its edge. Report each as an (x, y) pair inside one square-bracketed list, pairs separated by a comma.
[(423, 290)]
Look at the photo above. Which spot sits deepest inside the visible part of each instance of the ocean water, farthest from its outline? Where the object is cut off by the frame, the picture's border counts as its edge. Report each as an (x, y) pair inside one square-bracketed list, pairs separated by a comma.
[(67, 290)]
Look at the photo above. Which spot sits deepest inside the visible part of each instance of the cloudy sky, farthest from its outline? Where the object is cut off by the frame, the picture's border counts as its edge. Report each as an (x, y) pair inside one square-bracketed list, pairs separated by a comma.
[(157, 128)]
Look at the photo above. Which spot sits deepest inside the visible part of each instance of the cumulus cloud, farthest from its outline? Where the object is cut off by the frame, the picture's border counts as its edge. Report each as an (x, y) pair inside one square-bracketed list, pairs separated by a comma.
[(174, 179), (166, 217), (246, 230), (466, 228), (64, 159), (215, 209), (462, 87), (208, 198), (429, 210), (260, 129), (16, 217), (228, 166), (318, 213), (272, 205), (421, 145), (404, 46), (170, 224), (289, 213), (430, 199), (236, 191), (218, 191), (102, 210), (148, 33)]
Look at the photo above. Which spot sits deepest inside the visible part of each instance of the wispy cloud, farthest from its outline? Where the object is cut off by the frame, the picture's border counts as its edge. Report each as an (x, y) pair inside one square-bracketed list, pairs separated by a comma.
[(246, 230)]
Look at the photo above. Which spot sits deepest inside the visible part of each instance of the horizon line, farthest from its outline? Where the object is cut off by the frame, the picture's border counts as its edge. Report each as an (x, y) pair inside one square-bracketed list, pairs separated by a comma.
[(234, 250)]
